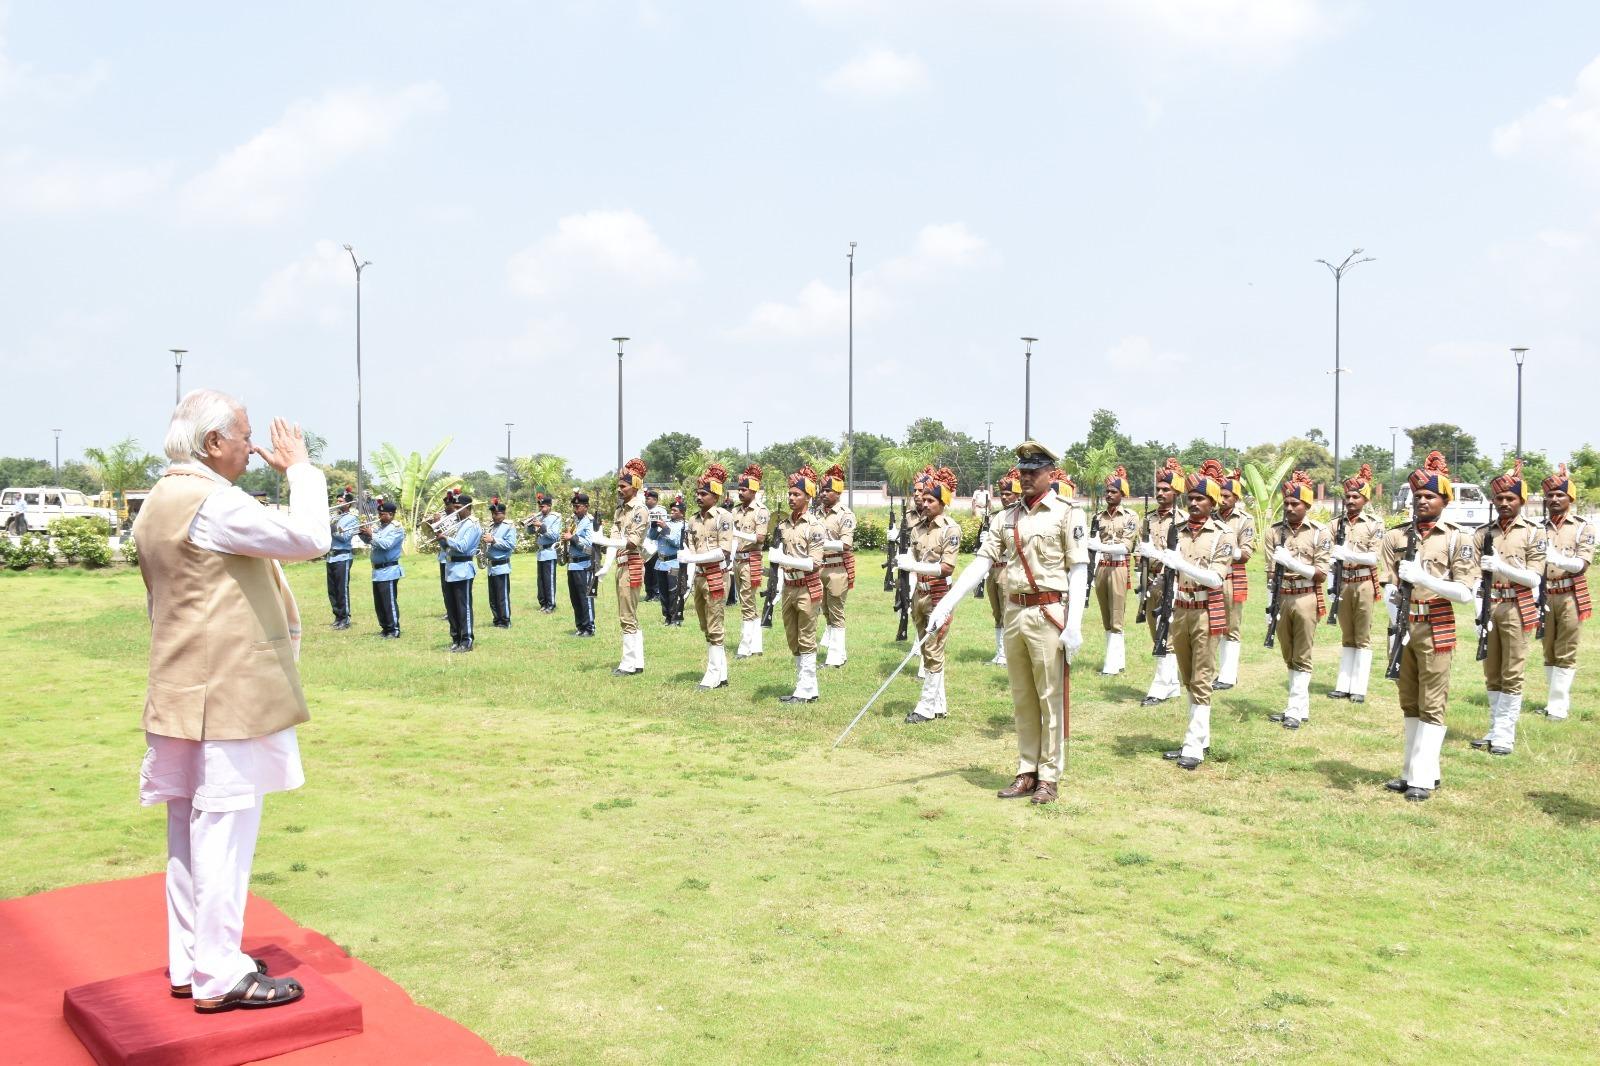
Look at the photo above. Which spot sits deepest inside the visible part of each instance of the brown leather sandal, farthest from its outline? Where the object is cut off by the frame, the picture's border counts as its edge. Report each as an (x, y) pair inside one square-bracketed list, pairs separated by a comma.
[(254, 992), (187, 991)]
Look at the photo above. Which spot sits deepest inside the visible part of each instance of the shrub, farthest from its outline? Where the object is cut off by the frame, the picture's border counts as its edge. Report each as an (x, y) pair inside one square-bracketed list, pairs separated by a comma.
[(130, 550), (869, 535), (32, 549), (81, 540)]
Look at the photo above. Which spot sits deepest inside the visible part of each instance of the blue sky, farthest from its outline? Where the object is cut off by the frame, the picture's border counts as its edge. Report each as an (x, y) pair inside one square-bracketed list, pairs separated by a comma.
[(1144, 185)]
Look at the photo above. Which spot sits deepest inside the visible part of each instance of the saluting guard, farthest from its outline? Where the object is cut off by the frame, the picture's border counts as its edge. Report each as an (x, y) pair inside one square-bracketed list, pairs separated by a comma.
[(1154, 533), (707, 545), (1235, 520), (343, 530), (1299, 546), (1429, 565), (547, 536), (1513, 566), (838, 563), (751, 521), (579, 541), (1569, 551), (500, 542), (1359, 593), (1115, 531), (384, 544), (625, 550), (935, 547), (798, 550), (462, 549)]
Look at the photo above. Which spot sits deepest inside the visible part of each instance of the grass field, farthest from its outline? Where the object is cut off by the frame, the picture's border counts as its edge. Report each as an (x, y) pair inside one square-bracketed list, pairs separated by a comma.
[(581, 867)]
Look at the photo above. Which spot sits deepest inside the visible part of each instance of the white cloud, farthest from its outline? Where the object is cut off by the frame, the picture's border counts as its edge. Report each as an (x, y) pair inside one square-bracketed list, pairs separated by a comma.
[(1561, 126), (19, 81), (33, 185), (940, 248), (614, 244), (316, 287), (259, 181), (879, 73), (1139, 354), (819, 308), (1255, 26)]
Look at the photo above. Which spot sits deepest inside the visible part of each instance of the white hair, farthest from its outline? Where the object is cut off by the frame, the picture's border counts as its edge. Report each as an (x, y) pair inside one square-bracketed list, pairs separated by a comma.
[(200, 412)]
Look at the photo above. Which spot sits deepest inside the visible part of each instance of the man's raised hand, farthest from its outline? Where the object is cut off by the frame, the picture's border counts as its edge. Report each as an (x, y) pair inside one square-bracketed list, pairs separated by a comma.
[(288, 446)]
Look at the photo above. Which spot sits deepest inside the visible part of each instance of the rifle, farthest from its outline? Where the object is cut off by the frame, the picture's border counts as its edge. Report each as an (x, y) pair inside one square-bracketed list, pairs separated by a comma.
[(774, 578), (1274, 604), (1169, 589), (1094, 534), (1543, 606), (1143, 564), (1400, 628), (889, 548), (902, 585), (1485, 622), (1338, 576)]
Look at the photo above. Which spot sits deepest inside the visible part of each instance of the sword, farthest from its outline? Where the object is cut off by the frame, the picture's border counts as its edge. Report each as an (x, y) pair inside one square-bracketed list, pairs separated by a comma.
[(916, 647)]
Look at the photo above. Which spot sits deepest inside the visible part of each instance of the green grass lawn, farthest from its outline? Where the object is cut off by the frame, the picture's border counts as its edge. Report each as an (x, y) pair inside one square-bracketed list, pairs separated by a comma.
[(581, 867)]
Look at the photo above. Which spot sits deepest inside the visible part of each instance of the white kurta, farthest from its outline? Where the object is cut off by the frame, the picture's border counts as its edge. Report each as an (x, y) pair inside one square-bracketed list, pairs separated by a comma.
[(231, 775)]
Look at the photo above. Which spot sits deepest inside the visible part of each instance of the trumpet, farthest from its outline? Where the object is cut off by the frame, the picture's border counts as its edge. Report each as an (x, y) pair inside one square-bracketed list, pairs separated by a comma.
[(335, 509)]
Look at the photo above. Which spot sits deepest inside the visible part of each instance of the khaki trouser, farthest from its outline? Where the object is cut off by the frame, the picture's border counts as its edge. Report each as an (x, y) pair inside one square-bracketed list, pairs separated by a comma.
[(627, 599), (1561, 630), (1152, 607), (1356, 606), (1035, 666), (749, 609), (933, 647), (835, 586), (1508, 649), (800, 618), (1424, 676), (708, 608), (1235, 616), (1297, 629), (1111, 592), (1195, 648), (997, 602)]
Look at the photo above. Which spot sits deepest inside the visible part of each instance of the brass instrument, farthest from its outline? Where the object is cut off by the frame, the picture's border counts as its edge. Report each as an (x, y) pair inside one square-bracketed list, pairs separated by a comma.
[(434, 530)]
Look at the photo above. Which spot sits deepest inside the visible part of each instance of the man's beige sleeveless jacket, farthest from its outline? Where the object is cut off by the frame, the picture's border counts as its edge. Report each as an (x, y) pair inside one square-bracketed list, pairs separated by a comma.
[(221, 663)]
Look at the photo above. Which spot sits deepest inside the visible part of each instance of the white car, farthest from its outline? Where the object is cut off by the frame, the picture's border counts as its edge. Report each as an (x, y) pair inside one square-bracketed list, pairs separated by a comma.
[(1469, 507), (33, 509)]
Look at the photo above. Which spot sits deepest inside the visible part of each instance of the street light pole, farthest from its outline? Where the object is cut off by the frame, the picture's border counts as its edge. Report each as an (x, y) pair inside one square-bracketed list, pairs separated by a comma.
[(850, 392), (747, 441), (1519, 354), (360, 265), (57, 432), (177, 365), (1225, 442), (508, 459), (619, 341), (1027, 388), (1394, 460), (988, 457), (1338, 272)]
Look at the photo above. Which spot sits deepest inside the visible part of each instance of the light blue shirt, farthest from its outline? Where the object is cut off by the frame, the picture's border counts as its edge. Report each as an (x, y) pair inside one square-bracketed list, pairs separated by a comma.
[(549, 536), (385, 553), (462, 547), (344, 531), (502, 540), (669, 541), (580, 549)]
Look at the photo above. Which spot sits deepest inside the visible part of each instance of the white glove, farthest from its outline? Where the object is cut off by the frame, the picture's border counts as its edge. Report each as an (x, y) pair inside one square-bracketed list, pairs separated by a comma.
[(1146, 550), (1355, 558), (833, 545), (1112, 549), (710, 555), (1284, 558), (607, 542), (1198, 574), (894, 533), (1490, 563), (748, 538), (1072, 632), (651, 548), (605, 564), (908, 562), (1339, 553), (1071, 641), (963, 586), (1169, 557), (1450, 590), (1571, 564), (1524, 577), (793, 562)]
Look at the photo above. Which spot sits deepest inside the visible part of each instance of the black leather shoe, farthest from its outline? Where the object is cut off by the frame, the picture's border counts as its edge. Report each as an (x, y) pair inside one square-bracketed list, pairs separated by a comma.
[(1354, 698), (1498, 749), (620, 672), (1151, 701), (1170, 755), (1275, 717), (1186, 763), (797, 699), (466, 645), (1480, 743), (456, 646), (1417, 795), (1291, 723), (1395, 784), (1338, 694), (1220, 686), (913, 718)]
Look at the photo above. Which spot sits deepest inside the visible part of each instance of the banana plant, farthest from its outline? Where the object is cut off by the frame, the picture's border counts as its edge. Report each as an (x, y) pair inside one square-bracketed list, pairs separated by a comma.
[(409, 479), (1262, 497), (1090, 475)]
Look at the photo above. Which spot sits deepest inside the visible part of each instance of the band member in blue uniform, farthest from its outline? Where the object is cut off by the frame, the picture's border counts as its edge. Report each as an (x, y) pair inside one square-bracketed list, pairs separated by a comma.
[(667, 532), (580, 564), (461, 548), (652, 577), (384, 545), (500, 540), (343, 528), (547, 534)]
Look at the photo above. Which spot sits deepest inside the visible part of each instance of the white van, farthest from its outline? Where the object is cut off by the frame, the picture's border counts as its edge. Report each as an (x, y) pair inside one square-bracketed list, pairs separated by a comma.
[(1469, 507), (24, 509)]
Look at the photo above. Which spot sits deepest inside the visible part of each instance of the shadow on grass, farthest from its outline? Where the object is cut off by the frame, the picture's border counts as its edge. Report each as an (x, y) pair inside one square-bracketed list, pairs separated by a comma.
[(1130, 744), (999, 725), (1345, 776), (903, 781), (1567, 810)]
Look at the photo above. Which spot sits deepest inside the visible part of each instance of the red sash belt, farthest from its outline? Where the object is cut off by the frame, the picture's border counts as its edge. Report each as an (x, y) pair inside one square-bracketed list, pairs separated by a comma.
[(753, 559), (1576, 586), (1241, 582), (1440, 615)]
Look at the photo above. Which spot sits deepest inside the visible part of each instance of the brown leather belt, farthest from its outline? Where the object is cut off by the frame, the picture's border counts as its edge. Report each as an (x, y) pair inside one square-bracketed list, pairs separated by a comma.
[(1034, 599), (1120, 560)]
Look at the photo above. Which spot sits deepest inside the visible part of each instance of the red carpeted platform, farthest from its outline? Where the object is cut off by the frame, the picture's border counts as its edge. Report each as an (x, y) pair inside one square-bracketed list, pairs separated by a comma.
[(77, 936)]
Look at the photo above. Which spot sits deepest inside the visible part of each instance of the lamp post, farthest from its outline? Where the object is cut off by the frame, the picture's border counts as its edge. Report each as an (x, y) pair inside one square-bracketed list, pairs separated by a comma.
[(988, 457), (177, 365), (1027, 388), (57, 432), (747, 441), (1394, 460), (1519, 354), (508, 459), (850, 392), (1225, 442), (360, 265), (1338, 272), (619, 341)]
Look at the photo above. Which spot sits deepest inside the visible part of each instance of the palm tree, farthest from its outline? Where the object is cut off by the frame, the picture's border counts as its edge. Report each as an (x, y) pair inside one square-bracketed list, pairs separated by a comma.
[(121, 467), (904, 463), (1264, 499), (1092, 472), (410, 480), (545, 473)]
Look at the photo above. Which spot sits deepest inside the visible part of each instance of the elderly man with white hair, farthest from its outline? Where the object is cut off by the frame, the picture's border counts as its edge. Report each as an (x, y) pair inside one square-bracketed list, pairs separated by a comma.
[(224, 692)]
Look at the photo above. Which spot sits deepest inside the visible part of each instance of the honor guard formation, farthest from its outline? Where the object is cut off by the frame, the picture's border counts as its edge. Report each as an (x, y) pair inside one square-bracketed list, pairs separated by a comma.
[(1184, 564)]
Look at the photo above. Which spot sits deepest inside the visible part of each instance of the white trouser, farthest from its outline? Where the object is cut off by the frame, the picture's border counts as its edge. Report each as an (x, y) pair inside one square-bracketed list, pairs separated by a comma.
[(1116, 654), (716, 666), (1228, 671), (208, 880), (1494, 716), (1503, 726), (1410, 749), (744, 639), (928, 702), (1360, 671), (1165, 684), (1299, 695), (1347, 668), (1198, 737), (805, 679), (834, 642), (1560, 678), (1425, 755)]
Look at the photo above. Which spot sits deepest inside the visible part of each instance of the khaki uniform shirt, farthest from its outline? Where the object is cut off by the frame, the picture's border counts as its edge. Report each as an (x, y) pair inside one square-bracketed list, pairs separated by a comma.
[(630, 522), (1574, 538), (1243, 528), (1521, 544), (936, 541), (1154, 529), (708, 530), (754, 520), (1210, 548), (1448, 553), (802, 538), (1120, 528), (1309, 544), (1362, 535), (1052, 536), (840, 525)]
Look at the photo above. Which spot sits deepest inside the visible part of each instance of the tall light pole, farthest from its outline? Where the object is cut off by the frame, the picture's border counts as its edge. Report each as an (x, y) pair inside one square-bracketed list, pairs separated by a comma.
[(850, 391), (1519, 354), (360, 265), (1394, 460), (177, 365), (57, 432), (619, 341), (1225, 442), (988, 457), (747, 441), (1338, 272), (508, 459), (1027, 388)]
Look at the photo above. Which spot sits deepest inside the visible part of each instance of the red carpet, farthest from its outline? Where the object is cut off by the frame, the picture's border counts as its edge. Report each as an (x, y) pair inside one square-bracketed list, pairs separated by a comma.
[(73, 936)]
